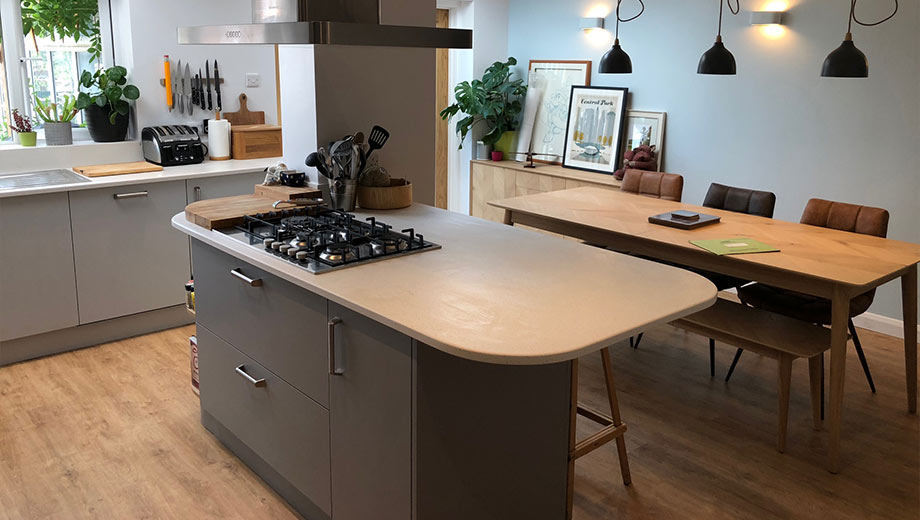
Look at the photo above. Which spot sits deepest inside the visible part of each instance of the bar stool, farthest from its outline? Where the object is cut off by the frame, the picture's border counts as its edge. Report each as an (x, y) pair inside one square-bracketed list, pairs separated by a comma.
[(613, 429)]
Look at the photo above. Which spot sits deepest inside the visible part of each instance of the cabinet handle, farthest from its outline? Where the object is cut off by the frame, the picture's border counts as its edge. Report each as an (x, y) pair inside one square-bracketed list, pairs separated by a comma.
[(258, 383), (197, 193), (333, 369), (132, 195), (252, 282)]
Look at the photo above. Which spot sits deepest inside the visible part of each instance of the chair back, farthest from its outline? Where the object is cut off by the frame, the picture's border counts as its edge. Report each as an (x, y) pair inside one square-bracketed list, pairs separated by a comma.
[(740, 200), (664, 186), (865, 220)]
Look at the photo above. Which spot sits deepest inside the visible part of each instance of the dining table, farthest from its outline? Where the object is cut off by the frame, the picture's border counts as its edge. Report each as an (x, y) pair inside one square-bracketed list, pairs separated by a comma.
[(827, 263)]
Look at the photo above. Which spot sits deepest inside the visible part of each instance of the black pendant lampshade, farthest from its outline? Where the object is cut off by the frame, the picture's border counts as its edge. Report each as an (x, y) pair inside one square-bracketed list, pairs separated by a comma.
[(717, 60), (846, 61), (616, 61)]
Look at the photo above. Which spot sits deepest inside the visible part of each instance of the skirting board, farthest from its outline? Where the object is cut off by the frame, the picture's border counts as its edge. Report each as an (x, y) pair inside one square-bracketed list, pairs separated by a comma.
[(91, 334)]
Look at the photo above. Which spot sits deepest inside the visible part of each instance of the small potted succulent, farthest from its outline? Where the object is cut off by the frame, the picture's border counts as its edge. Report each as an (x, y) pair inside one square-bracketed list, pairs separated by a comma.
[(57, 119), (22, 126), (105, 106)]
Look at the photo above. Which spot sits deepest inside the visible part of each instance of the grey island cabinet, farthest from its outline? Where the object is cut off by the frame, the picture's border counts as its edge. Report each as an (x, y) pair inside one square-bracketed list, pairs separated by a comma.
[(435, 386)]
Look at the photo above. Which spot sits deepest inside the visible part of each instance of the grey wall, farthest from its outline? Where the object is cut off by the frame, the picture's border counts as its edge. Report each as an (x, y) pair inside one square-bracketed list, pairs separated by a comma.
[(777, 125)]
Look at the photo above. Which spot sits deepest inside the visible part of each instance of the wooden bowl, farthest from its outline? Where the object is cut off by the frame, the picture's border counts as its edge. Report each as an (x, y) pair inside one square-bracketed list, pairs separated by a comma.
[(397, 195)]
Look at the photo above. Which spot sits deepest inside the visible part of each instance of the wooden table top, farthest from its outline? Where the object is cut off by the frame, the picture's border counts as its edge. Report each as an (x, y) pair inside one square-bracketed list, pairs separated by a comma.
[(846, 258)]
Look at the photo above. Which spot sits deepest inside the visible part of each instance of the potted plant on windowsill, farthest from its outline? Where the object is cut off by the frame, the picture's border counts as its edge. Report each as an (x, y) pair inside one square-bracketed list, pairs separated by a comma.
[(106, 106), (22, 126), (494, 100), (57, 118)]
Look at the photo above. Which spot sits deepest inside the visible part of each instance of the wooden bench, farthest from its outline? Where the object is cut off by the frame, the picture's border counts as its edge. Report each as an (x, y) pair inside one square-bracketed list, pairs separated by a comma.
[(782, 338)]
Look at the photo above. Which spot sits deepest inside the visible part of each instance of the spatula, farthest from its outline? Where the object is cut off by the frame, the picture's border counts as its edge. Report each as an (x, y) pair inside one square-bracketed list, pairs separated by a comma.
[(379, 137)]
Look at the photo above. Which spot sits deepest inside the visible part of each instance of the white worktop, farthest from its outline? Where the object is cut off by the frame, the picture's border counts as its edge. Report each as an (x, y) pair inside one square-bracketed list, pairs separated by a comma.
[(494, 293), (169, 173)]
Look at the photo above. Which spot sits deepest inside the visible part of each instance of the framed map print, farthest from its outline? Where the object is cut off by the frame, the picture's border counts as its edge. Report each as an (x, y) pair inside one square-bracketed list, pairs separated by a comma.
[(594, 131), (553, 81)]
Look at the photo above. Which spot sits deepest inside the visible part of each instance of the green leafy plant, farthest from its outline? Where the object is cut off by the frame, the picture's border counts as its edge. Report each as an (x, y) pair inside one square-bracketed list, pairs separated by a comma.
[(494, 100), (59, 19), (51, 112), (110, 88)]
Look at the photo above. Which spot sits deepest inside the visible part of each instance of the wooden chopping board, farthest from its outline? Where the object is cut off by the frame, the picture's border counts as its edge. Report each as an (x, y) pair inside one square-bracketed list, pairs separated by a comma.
[(244, 116), (104, 170), (287, 192), (229, 211)]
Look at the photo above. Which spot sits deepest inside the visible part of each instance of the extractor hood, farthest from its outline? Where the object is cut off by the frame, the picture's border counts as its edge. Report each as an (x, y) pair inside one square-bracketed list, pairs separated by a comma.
[(324, 22)]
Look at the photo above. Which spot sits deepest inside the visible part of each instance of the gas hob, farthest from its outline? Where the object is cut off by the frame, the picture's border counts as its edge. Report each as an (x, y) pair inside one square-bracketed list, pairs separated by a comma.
[(319, 239)]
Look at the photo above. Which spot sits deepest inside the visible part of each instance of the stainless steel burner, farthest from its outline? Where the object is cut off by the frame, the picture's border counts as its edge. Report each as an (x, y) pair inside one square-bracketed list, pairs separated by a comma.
[(387, 245), (338, 253)]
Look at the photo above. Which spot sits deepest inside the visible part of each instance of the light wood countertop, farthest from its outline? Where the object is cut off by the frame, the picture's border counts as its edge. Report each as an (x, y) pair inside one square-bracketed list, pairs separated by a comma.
[(494, 293)]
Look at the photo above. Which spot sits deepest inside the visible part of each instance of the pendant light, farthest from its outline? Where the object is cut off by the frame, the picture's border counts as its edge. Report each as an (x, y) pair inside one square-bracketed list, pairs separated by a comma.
[(847, 61), (717, 60), (616, 61)]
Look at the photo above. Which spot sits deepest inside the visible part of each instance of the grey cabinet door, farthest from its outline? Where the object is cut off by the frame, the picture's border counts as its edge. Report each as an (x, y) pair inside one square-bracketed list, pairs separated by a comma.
[(223, 186), (371, 420), (128, 257), (37, 287)]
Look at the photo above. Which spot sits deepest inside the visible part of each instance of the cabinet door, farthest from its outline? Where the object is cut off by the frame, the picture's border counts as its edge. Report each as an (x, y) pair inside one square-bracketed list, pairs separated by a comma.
[(128, 257), (371, 420), (488, 183), (224, 186), (37, 287)]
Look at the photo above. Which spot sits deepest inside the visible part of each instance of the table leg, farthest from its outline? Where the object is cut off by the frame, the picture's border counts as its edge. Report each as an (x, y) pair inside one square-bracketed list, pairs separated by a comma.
[(909, 304), (508, 220), (840, 316), (573, 416)]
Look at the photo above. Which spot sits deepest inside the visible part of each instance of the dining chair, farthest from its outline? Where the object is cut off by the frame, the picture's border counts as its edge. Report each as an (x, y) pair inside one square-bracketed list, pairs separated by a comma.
[(829, 214)]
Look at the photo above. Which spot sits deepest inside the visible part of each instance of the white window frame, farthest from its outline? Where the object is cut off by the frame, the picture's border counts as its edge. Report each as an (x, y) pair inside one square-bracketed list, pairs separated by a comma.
[(16, 58)]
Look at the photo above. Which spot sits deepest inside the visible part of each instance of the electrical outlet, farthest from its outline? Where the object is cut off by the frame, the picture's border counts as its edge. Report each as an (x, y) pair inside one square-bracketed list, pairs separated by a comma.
[(253, 80)]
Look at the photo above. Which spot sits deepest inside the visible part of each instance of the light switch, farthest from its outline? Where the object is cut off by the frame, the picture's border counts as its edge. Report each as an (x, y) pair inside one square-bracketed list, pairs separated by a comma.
[(253, 80)]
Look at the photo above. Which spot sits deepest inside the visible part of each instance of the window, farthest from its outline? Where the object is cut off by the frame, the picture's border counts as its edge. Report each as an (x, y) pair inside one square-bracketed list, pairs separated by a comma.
[(44, 53)]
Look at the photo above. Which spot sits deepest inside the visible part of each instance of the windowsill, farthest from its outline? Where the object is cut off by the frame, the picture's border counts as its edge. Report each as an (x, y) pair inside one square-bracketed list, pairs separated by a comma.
[(40, 145)]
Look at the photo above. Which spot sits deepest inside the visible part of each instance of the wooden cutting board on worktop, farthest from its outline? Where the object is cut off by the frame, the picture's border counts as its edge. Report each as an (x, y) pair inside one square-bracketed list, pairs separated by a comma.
[(229, 211), (104, 170), (244, 116)]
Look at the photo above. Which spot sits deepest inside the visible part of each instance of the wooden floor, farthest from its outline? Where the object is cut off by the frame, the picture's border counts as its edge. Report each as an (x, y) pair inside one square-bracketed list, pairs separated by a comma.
[(113, 432)]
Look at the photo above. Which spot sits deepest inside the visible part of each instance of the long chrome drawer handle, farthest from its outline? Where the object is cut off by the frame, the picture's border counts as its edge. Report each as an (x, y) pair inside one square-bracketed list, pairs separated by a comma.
[(258, 383), (333, 369), (132, 195), (252, 282)]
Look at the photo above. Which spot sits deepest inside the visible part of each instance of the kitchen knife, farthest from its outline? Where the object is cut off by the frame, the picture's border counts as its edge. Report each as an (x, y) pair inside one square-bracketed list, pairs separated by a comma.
[(187, 78), (201, 100), (207, 75), (195, 82), (217, 87), (181, 92)]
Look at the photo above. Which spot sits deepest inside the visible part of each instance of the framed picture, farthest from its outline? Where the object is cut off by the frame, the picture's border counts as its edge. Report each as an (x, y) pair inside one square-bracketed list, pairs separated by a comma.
[(594, 132), (645, 128), (553, 81)]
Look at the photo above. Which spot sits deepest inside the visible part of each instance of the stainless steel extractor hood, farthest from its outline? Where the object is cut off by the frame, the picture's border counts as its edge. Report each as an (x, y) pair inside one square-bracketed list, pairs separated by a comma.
[(324, 22)]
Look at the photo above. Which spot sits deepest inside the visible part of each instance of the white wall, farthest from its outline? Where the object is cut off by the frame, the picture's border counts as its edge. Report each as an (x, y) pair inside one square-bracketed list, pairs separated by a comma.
[(777, 125)]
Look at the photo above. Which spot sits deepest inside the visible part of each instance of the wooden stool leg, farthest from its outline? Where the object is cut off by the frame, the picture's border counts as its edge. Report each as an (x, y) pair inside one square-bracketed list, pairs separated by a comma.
[(785, 381), (615, 413), (815, 370), (573, 416)]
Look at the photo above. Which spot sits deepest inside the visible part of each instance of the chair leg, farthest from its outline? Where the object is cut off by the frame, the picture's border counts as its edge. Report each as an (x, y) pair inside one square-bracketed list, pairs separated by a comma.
[(638, 339), (815, 369), (712, 357), (785, 381), (822, 386), (861, 354), (615, 414), (731, 369)]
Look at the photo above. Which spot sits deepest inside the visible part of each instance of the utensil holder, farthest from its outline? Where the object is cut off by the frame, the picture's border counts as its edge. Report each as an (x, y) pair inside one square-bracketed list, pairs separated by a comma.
[(342, 195)]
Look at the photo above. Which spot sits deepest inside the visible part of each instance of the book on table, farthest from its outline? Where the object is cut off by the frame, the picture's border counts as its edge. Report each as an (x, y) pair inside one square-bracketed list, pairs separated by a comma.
[(734, 246)]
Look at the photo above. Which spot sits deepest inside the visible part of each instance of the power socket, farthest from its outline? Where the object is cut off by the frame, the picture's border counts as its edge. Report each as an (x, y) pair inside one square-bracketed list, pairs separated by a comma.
[(253, 80)]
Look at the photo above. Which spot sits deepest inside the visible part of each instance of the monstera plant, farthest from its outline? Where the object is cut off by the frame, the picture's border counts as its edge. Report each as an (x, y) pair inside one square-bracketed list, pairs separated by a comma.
[(494, 100), (106, 104)]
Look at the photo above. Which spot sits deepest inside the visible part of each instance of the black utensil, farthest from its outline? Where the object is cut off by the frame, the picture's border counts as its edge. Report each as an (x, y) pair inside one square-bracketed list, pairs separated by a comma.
[(313, 161), (217, 86), (201, 103), (379, 137), (196, 91), (207, 75)]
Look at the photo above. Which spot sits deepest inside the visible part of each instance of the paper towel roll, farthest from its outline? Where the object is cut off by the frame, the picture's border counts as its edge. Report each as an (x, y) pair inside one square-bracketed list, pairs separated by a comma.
[(219, 139), (531, 103)]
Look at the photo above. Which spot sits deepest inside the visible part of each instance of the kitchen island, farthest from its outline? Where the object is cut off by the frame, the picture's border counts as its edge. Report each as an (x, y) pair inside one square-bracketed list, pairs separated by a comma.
[(429, 386)]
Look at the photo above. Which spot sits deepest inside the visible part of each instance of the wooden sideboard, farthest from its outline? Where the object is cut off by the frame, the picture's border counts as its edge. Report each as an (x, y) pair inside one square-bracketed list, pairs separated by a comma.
[(491, 180)]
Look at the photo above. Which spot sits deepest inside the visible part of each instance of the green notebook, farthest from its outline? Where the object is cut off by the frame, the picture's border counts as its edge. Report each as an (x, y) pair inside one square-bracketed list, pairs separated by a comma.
[(734, 246)]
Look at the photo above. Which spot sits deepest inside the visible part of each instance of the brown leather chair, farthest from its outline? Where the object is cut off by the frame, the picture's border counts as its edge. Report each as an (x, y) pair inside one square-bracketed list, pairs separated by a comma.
[(664, 186), (835, 215)]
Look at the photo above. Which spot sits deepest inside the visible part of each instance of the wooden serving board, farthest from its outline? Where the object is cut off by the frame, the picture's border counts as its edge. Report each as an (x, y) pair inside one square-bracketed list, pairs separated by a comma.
[(104, 170), (244, 116), (287, 192), (226, 212)]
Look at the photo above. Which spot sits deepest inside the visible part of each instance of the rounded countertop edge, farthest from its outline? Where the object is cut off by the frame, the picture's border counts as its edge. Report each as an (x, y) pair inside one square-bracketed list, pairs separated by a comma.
[(227, 245)]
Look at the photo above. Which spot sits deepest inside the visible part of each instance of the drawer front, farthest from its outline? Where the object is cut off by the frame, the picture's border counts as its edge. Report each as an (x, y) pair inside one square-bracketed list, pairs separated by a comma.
[(280, 325), (128, 257), (281, 425)]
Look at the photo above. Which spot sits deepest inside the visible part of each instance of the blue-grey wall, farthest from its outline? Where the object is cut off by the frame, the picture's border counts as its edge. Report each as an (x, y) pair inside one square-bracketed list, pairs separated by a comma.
[(777, 125)]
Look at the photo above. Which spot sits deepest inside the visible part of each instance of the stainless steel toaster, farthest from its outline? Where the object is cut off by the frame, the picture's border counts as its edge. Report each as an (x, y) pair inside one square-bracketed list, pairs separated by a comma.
[(172, 145)]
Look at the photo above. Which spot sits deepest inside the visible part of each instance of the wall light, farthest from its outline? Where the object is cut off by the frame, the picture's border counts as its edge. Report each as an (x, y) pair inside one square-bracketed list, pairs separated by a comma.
[(591, 23), (769, 22)]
